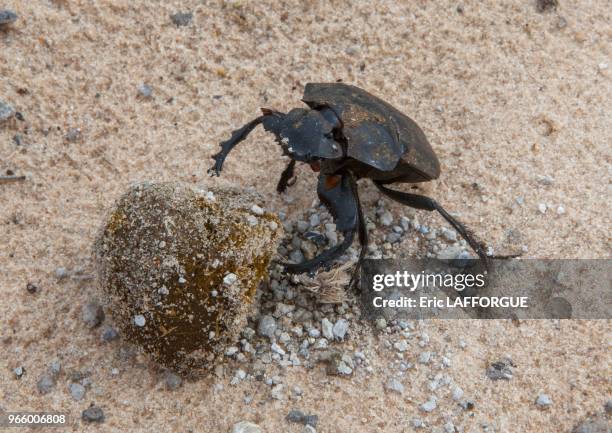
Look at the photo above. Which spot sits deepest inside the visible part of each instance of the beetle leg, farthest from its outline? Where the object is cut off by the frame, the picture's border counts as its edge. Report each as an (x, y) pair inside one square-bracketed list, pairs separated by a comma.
[(363, 233), (426, 203), (286, 176), (226, 146), (338, 195)]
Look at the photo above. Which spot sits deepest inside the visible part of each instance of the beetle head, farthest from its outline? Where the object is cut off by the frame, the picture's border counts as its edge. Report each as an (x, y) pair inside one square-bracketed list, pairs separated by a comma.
[(305, 135)]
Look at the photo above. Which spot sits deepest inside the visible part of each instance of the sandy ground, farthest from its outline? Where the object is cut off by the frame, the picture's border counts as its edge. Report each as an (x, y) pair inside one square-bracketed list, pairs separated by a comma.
[(506, 96)]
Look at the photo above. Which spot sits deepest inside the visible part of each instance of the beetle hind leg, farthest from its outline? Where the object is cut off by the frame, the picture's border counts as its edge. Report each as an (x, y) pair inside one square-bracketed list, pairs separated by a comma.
[(426, 203)]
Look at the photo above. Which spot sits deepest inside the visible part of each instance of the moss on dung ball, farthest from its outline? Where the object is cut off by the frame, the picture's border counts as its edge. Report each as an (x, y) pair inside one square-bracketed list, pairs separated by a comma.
[(181, 265)]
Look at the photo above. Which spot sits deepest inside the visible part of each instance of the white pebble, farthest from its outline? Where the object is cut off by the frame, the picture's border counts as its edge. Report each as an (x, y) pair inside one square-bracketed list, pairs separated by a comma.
[(340, 328), (395, 386), (139, 320), (457, 393), (425, 357), (230, 279), (327, 329), (257, 210), (430, 405), (544, 400)]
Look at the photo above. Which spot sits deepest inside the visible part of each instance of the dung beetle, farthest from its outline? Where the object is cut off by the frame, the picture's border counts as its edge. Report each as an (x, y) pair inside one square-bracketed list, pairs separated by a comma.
[(347, 134)]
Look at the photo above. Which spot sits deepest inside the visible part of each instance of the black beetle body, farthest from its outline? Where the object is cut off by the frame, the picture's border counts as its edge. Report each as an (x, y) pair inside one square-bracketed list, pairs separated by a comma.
[(349, 134)]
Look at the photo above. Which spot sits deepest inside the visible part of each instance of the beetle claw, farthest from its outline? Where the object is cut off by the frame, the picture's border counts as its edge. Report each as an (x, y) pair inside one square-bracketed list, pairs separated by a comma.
[(217, 167)]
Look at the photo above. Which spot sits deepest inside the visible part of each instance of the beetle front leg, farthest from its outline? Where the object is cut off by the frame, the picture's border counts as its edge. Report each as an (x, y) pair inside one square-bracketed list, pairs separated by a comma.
[(338, 195), (226, 146), (286, 176)]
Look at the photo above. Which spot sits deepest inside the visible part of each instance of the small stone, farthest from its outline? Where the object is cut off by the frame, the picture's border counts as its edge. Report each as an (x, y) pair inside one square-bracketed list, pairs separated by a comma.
[(314, 333), (544, 400), (449, 427), (32, 288), (45, 383), (109, 334), (381, 323), (545, 179), (296, 416), (608, 407), (248, 333), (93, 314), (230, 279), (77, 391), (172, 380), (181, 18), (561, 23), (425, 357), (386, 218), (395, 386), (139, 320), (417, 423), (542, 208), (246, 427), (339, 364), (145, 91), (93, 414), (54, 369), (296, 256), (560, 210), (311, 420), (430, 405), (302, 226), (457, 393), (73, 135), (266, 326), (500, 370), (257, 210), (546, 5), (314, 220), (309, 429), (449, 235), (252, 220), (231, 351), (332, 237), (278, 391), (239, 376), (401, 346), (596, 424), (340, 328), (321, 344), (277, 349), (19, 371), (327, 329), (6, 111), (393, 238), (468, 404), (61, 273), (7, 17)]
